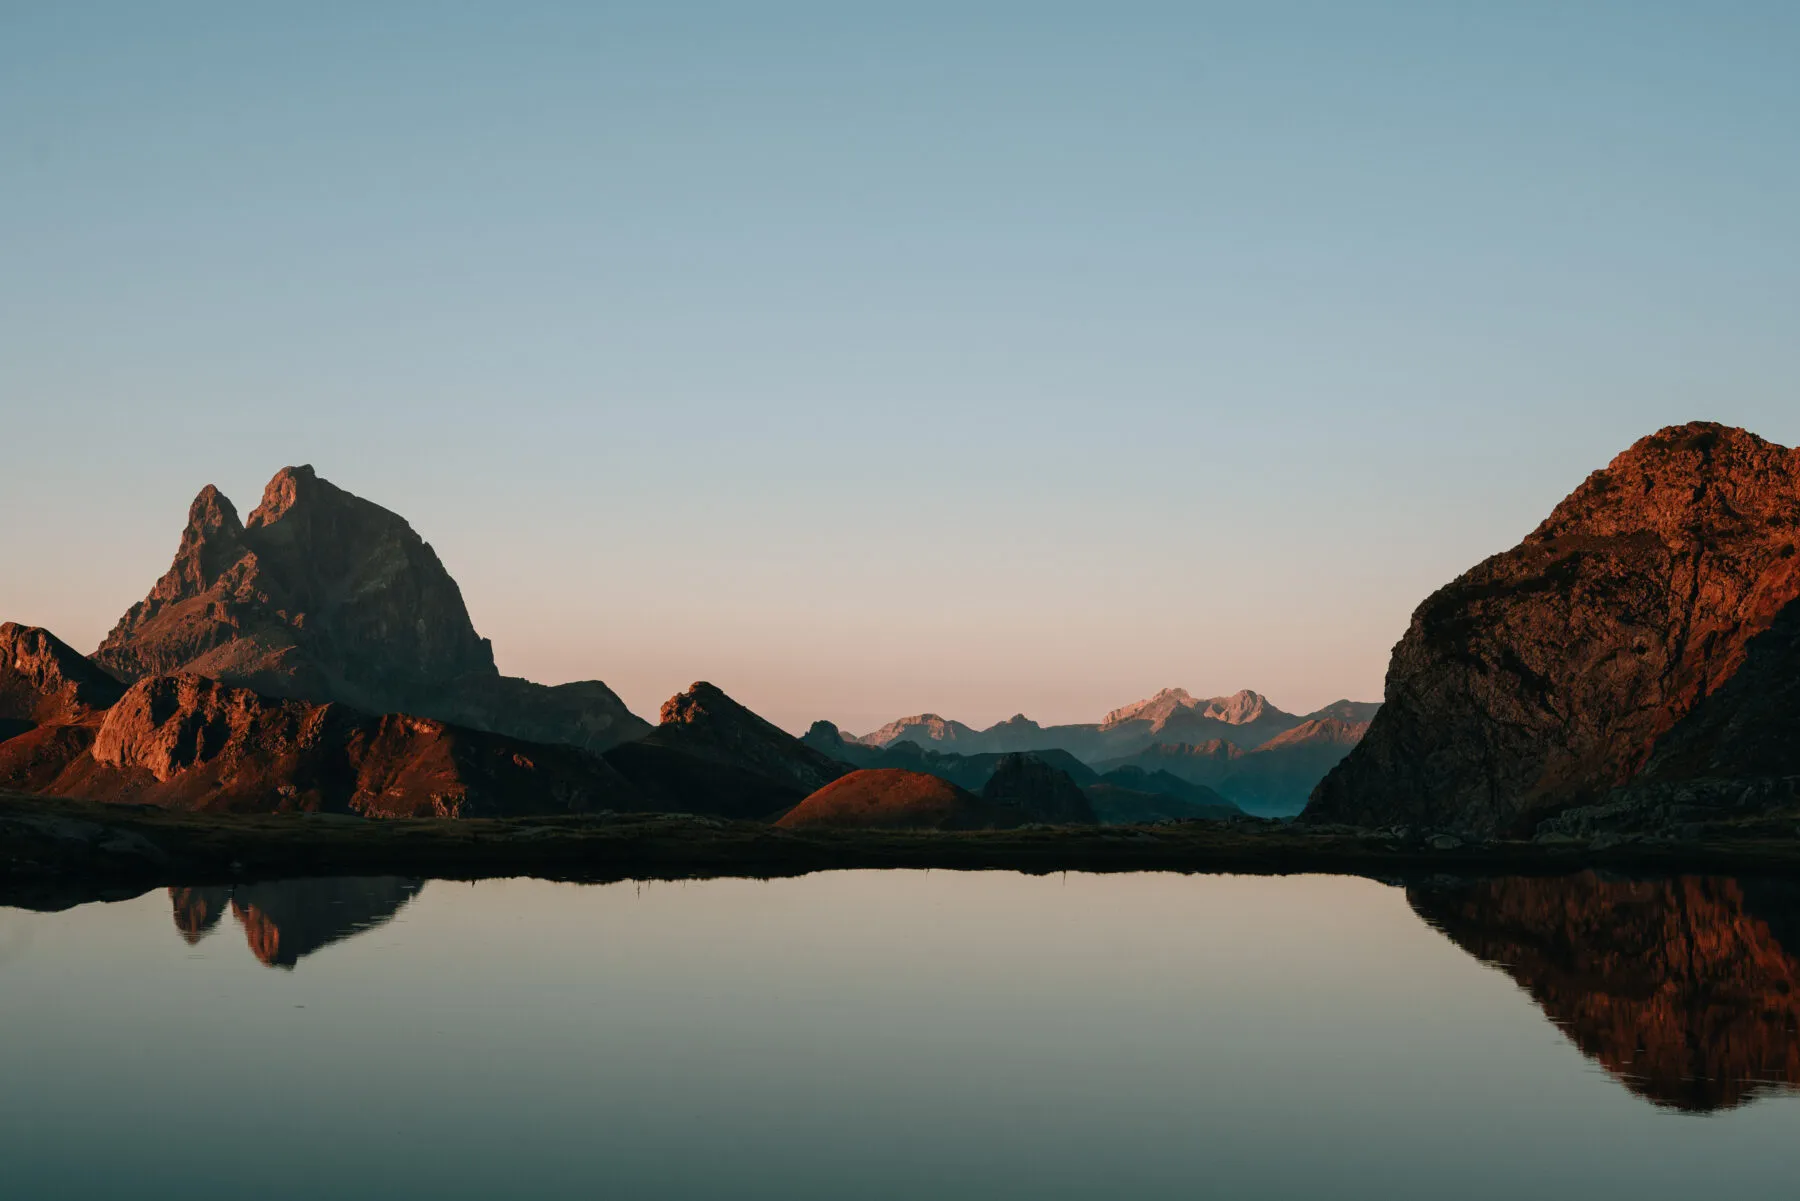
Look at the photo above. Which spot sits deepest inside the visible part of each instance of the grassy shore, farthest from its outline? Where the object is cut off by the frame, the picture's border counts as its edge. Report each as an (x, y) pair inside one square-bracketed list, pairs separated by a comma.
[(55, 851)]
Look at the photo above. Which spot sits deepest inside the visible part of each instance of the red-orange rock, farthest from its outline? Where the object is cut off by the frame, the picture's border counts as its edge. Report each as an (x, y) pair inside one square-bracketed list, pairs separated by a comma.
[(1687, 990), (44, 681), (1542, 678), (187, 741), (888, 798)]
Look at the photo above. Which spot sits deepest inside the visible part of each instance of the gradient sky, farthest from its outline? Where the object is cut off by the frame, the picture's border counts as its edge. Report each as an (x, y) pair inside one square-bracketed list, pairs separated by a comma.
[(866, 360)]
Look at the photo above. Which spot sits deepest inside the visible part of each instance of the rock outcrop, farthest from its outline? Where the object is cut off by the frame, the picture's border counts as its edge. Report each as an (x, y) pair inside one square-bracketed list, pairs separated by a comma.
[(190, 742), (322, 596), (1687, 991), (44, 681), (1543, 678), (1031, 784), (711, 755), (892, 799), (825, 738)]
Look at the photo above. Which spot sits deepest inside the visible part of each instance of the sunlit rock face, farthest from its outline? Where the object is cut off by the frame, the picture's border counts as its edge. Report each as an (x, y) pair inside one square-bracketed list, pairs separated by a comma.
[(190, 742), (1544, 677), (44, 681), (285, 920), (1686, 990), (320, 595)]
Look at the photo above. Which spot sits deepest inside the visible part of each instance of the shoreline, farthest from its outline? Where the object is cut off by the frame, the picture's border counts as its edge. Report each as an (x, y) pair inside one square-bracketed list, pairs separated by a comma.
[(55, 851)]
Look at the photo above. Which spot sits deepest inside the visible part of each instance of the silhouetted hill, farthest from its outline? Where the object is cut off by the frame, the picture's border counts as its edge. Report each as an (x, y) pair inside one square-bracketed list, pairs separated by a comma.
[(712, 755), (1044, 792)]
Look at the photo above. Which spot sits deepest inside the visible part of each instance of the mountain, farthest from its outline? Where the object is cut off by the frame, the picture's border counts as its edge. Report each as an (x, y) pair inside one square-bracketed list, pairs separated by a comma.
[(190, 742), (322, 596), (1277, 777), (1351, 713), (828, 740), (1272, 780), (712, 755), (1544, 678), (924, 728), (1687, 990), (44, 681), (1249, 710), (1047, 794), (1244, 719), (966, 771), (892, 799)]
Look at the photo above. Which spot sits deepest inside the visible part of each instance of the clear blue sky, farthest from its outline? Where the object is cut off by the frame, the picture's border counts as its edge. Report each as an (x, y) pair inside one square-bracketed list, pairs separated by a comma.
[(968, 357)]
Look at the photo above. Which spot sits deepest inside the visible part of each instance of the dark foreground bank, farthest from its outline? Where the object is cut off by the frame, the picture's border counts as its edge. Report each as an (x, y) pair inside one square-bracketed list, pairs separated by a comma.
[(55, 851)]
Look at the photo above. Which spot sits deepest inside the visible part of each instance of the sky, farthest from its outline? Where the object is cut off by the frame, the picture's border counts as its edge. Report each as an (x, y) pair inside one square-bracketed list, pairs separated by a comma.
[(975, 358)]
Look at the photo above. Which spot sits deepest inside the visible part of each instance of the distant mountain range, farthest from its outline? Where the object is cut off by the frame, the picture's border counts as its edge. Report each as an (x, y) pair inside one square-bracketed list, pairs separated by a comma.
[(1241, 746)]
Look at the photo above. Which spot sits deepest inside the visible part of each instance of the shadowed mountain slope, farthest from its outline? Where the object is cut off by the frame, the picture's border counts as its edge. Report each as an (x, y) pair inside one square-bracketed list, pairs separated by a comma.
[(1043, 791), (712, 755)]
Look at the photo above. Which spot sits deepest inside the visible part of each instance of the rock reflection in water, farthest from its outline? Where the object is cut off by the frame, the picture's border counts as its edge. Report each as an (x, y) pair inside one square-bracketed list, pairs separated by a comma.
[(198, 910), (1686, 990), (284, 920)]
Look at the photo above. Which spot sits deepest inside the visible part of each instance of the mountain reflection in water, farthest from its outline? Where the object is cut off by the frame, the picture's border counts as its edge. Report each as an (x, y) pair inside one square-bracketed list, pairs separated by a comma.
[(285, 920), (1685, 990)]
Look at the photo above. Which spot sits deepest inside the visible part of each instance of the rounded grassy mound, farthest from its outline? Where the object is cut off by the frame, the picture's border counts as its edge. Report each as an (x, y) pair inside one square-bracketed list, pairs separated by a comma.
[(892, 799)]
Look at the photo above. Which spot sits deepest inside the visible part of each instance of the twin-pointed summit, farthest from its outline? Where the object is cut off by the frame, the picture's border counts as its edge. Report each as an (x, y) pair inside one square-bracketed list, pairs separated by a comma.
[(323, 596)]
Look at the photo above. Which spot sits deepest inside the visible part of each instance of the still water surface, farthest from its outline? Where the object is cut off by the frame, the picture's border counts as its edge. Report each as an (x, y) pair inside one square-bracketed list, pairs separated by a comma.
[(906, 1034)]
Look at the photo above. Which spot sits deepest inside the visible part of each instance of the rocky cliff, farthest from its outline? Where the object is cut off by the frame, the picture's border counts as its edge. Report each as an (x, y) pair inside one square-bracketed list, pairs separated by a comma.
[(187, 741), (322, 596), (1543, 678), (44, 681)]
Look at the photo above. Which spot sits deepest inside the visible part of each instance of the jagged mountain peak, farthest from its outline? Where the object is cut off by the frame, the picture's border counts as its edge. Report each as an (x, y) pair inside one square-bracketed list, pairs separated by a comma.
[(323, 596), (1155, 708)]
